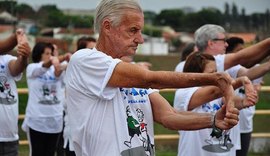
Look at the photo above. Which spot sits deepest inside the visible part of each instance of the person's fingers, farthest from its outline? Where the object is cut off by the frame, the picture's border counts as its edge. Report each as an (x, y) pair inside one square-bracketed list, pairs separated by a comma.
[(251, 99), (23, 50), (230, 122), (233, 111), (55, 61), (232, 116)]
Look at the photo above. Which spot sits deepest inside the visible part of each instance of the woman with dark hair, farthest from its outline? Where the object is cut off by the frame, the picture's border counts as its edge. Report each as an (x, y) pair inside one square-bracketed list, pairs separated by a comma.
[(44, 113), (210, 142), (86, 42), (234, 44)]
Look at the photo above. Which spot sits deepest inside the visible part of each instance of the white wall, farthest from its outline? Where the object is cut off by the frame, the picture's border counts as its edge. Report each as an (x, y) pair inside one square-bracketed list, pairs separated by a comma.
[(154, 46)]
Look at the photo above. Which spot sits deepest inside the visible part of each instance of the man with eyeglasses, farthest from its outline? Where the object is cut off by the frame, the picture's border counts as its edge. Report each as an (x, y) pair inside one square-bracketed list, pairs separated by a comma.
[(211, 39)]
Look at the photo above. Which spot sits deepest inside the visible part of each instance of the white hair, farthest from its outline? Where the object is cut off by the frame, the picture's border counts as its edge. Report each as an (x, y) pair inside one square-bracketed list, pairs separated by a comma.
[(205, 33), (113, 10)]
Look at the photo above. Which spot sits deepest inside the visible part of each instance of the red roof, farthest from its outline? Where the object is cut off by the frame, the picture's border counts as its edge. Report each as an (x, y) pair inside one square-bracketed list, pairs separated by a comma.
[(4, 28), (247, 37)]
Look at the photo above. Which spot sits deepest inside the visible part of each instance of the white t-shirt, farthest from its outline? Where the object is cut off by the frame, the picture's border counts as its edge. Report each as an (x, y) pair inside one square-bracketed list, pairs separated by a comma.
[(180, 67), (233, 72), (44, 111), (8, 101), (66, 132), (105, 120), (200, 142), (219, 59)]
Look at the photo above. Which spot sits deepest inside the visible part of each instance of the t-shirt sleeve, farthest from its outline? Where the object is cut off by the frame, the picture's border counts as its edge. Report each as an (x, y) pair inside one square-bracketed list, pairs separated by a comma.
[(8, 59), (150, 91), (182, 98), (35, 69), (89, 72), (220, 59), (233, 71), (257, 81), (180, 67)]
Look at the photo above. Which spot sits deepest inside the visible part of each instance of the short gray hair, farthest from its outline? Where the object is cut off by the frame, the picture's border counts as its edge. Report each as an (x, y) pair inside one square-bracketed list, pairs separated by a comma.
[(205, 33), (113, 10)]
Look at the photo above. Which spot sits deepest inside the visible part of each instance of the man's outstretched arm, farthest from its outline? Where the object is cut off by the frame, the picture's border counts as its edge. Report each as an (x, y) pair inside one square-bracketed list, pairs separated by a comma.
[(8, 44), (249, 56), (185, 120)]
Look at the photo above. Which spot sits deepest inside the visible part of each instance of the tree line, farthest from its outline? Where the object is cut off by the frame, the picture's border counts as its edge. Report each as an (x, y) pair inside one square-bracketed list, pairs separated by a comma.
[(232, 19)]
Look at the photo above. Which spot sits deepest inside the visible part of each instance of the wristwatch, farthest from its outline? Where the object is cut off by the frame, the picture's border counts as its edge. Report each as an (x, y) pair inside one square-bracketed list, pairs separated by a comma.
[(216, 132)]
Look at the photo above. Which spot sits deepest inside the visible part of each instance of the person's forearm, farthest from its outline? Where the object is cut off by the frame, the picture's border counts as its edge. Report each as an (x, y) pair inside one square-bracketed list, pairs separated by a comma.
[(187, 121), (17, 66), (61, 58), (238, 82), (166, 79), (57, 70), (238, 102), (252, 55), (257, 71), (130, 75), (203, 95), (8, 44)]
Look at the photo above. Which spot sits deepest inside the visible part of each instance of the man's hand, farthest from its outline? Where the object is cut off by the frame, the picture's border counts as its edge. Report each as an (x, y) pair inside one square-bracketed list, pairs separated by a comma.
[(55, 62), (251, 94), (145, 65), (224, 82), (23, 49), (67, 56), (226, 119)]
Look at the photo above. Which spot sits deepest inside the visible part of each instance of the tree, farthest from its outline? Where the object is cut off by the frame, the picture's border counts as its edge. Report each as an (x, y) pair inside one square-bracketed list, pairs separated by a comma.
[(8, 6), (152, 31), (227, 16), (210, 15), (45, 11), (171, 18), (235, 14), (149, 17), (24, 11), (56, 19), (227, 9), (81, 21)]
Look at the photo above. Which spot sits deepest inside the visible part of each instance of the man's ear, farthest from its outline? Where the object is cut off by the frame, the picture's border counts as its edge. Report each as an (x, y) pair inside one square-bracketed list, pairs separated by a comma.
[(209, 44), (106, 25)]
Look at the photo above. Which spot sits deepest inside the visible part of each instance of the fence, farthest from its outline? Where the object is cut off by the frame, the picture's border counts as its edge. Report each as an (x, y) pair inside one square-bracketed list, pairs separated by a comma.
[(171, 136)]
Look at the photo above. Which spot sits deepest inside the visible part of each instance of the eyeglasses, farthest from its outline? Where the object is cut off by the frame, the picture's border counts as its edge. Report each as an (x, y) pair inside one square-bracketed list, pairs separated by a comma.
[(219, 39)]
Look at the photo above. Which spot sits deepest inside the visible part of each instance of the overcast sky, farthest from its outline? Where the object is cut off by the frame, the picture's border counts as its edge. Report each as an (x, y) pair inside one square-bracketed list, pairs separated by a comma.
[(158, 5)]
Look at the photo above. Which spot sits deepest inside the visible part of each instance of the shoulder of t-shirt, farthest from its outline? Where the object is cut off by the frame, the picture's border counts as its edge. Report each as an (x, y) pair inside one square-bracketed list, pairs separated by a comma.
[(7, 57), (180, 66)]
